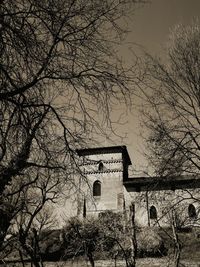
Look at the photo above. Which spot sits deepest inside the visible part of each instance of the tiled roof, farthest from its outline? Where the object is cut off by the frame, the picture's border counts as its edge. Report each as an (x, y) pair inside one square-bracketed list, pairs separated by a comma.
[(105, 150), (162, 183)]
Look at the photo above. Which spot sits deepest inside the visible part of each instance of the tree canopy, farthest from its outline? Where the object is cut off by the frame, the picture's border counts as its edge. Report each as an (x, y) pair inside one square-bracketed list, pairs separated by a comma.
[(59, 77)]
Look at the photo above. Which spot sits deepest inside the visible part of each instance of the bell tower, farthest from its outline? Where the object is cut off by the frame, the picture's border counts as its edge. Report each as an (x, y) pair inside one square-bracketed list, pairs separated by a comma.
[(104, 170)]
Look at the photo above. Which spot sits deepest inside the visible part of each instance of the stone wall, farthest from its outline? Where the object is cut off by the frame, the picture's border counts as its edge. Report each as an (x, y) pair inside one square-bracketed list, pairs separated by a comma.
[(108, 170), (156, 202), (165, 202)]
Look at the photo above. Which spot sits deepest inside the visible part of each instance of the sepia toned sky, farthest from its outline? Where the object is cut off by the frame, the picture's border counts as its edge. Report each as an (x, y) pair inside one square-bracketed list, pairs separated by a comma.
[(149, 30), (151, 24)]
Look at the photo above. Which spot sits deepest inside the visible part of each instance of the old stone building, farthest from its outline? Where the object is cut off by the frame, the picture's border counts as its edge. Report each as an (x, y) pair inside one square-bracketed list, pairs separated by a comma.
[(156, 200)]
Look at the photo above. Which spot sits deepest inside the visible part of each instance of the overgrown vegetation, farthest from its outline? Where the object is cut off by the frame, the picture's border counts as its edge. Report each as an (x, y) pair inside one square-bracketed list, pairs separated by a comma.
[(108, 237)]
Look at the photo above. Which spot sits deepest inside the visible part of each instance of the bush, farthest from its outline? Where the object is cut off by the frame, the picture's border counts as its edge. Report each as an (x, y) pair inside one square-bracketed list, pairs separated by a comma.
[(101, 236), (51, 246), (150, 243), (81, 237)]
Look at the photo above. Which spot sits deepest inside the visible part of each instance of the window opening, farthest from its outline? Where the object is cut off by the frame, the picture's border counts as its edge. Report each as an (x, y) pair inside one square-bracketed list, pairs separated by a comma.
[(97, 189), (100, 168), (192, 211), (153, 213), (84, 208)]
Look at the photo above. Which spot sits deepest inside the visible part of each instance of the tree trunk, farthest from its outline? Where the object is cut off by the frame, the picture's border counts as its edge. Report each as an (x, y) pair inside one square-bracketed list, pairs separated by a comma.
[(133, 238), (176, 241), (90, 258), (147, 202)]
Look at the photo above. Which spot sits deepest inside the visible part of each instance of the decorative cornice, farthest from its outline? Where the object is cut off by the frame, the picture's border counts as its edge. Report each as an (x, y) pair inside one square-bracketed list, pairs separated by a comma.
[(98, 161), (104, 171)]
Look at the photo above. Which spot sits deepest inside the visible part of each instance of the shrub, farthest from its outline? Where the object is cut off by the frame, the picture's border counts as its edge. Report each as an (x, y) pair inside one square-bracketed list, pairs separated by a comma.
[(51, 246), (81, 237), (150, 243)]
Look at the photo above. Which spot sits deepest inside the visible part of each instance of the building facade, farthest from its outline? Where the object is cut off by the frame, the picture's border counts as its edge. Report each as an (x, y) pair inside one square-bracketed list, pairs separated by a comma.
[(156, 200)]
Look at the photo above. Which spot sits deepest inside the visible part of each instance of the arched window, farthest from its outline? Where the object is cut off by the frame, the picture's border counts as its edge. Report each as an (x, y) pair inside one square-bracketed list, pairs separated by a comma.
[(153, 213), (192, 212), (97, 189), (100, 168)]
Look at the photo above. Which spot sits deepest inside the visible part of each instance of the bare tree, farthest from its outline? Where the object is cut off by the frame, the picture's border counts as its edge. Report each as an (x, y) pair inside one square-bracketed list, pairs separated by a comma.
[(172, 117), (31, 215), (173, 104), (59, 71)]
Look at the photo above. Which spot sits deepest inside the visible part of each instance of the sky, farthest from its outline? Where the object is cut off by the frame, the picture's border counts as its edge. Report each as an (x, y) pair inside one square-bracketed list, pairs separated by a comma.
[(149, 29), (151, 24)]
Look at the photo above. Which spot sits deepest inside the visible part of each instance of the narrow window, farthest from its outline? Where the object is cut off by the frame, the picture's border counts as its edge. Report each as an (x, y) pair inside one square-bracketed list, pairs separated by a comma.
[(153, 213), (100, 168), (192, 212), (97, 189), (84, 208)]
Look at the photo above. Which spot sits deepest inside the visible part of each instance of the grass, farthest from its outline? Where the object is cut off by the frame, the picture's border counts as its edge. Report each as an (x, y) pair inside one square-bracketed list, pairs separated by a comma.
[(147, 262)]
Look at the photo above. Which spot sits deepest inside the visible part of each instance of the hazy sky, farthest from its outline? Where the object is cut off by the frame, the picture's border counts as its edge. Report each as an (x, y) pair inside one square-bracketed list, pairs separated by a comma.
[(152, 23), (150, 27)]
